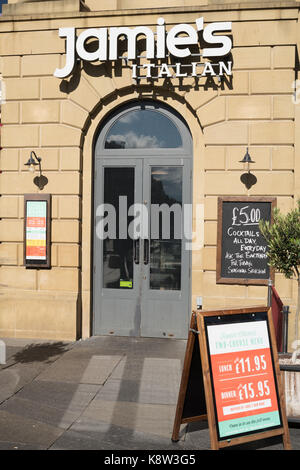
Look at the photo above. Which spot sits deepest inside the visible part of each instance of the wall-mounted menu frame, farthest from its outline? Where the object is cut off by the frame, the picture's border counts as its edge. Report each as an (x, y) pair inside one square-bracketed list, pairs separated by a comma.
[(241, 249), (37, 230)]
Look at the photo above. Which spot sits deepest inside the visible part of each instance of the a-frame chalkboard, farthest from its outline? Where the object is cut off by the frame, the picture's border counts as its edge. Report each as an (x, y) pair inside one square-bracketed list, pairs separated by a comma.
[(231, 377), (191, 405)]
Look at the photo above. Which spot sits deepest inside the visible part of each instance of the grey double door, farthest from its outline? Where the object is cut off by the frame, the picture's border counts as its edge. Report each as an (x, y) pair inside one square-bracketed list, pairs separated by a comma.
[(141, 251)]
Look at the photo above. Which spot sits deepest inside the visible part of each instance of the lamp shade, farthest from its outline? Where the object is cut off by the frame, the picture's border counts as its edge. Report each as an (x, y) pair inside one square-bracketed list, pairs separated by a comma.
[(31, 162), (247, 158)]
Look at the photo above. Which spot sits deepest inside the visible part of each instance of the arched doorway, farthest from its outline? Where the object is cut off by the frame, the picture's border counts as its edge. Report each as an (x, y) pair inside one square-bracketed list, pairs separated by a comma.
[(142, 196)]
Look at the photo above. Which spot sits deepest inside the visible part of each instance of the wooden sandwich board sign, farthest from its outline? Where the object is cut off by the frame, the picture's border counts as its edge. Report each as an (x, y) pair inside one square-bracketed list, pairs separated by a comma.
[(231, 377)]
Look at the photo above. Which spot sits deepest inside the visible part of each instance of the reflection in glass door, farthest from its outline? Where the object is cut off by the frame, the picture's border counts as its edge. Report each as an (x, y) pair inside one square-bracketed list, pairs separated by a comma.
[(118, 247), (166, 223), (166, 289)]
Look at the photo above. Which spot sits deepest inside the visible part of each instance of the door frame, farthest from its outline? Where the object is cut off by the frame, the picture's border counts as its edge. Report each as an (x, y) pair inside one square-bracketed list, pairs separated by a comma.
[(101, 157)]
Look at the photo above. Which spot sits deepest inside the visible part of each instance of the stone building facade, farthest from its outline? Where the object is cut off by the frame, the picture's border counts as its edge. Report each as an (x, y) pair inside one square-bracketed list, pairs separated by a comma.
[(58, 118)]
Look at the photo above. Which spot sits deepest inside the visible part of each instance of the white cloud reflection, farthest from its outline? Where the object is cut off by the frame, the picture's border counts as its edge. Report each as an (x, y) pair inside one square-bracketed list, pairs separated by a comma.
[(130, 117), (132, 140)]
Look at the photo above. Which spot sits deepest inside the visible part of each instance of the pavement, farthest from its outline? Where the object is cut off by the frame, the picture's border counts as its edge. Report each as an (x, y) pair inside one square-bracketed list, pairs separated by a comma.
[(103, 393)]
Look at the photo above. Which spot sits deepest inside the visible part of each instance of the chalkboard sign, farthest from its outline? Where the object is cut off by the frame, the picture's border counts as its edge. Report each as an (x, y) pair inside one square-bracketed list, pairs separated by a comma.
[(242, 252), (244, 397), (191, 405), (37, 213)]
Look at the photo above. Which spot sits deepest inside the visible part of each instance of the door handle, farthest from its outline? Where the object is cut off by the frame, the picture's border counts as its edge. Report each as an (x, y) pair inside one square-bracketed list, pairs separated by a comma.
[(136, 251), (146, 251)]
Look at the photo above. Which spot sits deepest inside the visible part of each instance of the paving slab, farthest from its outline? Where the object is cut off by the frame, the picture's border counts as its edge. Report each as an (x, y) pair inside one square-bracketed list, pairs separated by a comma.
[(93, 370), (109, 437), (164, 371), (29, 409), (9, 384), (72, 440), (61, 395), (144, 380), (153, 419), (4, 445), (14, 428), (14, 378), (139, 392)]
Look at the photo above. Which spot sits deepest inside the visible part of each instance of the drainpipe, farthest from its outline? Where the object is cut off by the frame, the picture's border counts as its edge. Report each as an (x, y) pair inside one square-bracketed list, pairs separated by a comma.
[(285, 312), (270, 292)]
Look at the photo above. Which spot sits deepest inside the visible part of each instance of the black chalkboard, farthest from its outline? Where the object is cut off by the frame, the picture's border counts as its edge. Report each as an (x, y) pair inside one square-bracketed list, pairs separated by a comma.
[(242, 253), (191, 404), (194, 403)]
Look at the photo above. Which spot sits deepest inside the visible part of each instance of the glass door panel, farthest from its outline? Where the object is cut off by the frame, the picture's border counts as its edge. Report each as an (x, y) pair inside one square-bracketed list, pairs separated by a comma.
[(166, 227), (117, 268), (166, 259), (118, 248)]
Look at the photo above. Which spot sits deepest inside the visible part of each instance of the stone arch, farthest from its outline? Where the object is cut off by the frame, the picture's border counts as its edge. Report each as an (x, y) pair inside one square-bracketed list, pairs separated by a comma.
[(101, 106)]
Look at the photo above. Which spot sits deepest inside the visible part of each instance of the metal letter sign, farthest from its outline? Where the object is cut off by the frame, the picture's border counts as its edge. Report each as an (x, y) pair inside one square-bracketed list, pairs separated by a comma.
[(176, 42)]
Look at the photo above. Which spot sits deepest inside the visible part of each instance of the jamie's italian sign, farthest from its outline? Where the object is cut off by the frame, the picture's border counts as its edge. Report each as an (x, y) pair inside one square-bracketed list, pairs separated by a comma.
[(177, 43)]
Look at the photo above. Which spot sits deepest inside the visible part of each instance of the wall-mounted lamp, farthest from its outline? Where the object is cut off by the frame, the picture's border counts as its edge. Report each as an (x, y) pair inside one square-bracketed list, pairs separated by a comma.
[(247, 159), (33, 161), (248, 179)]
